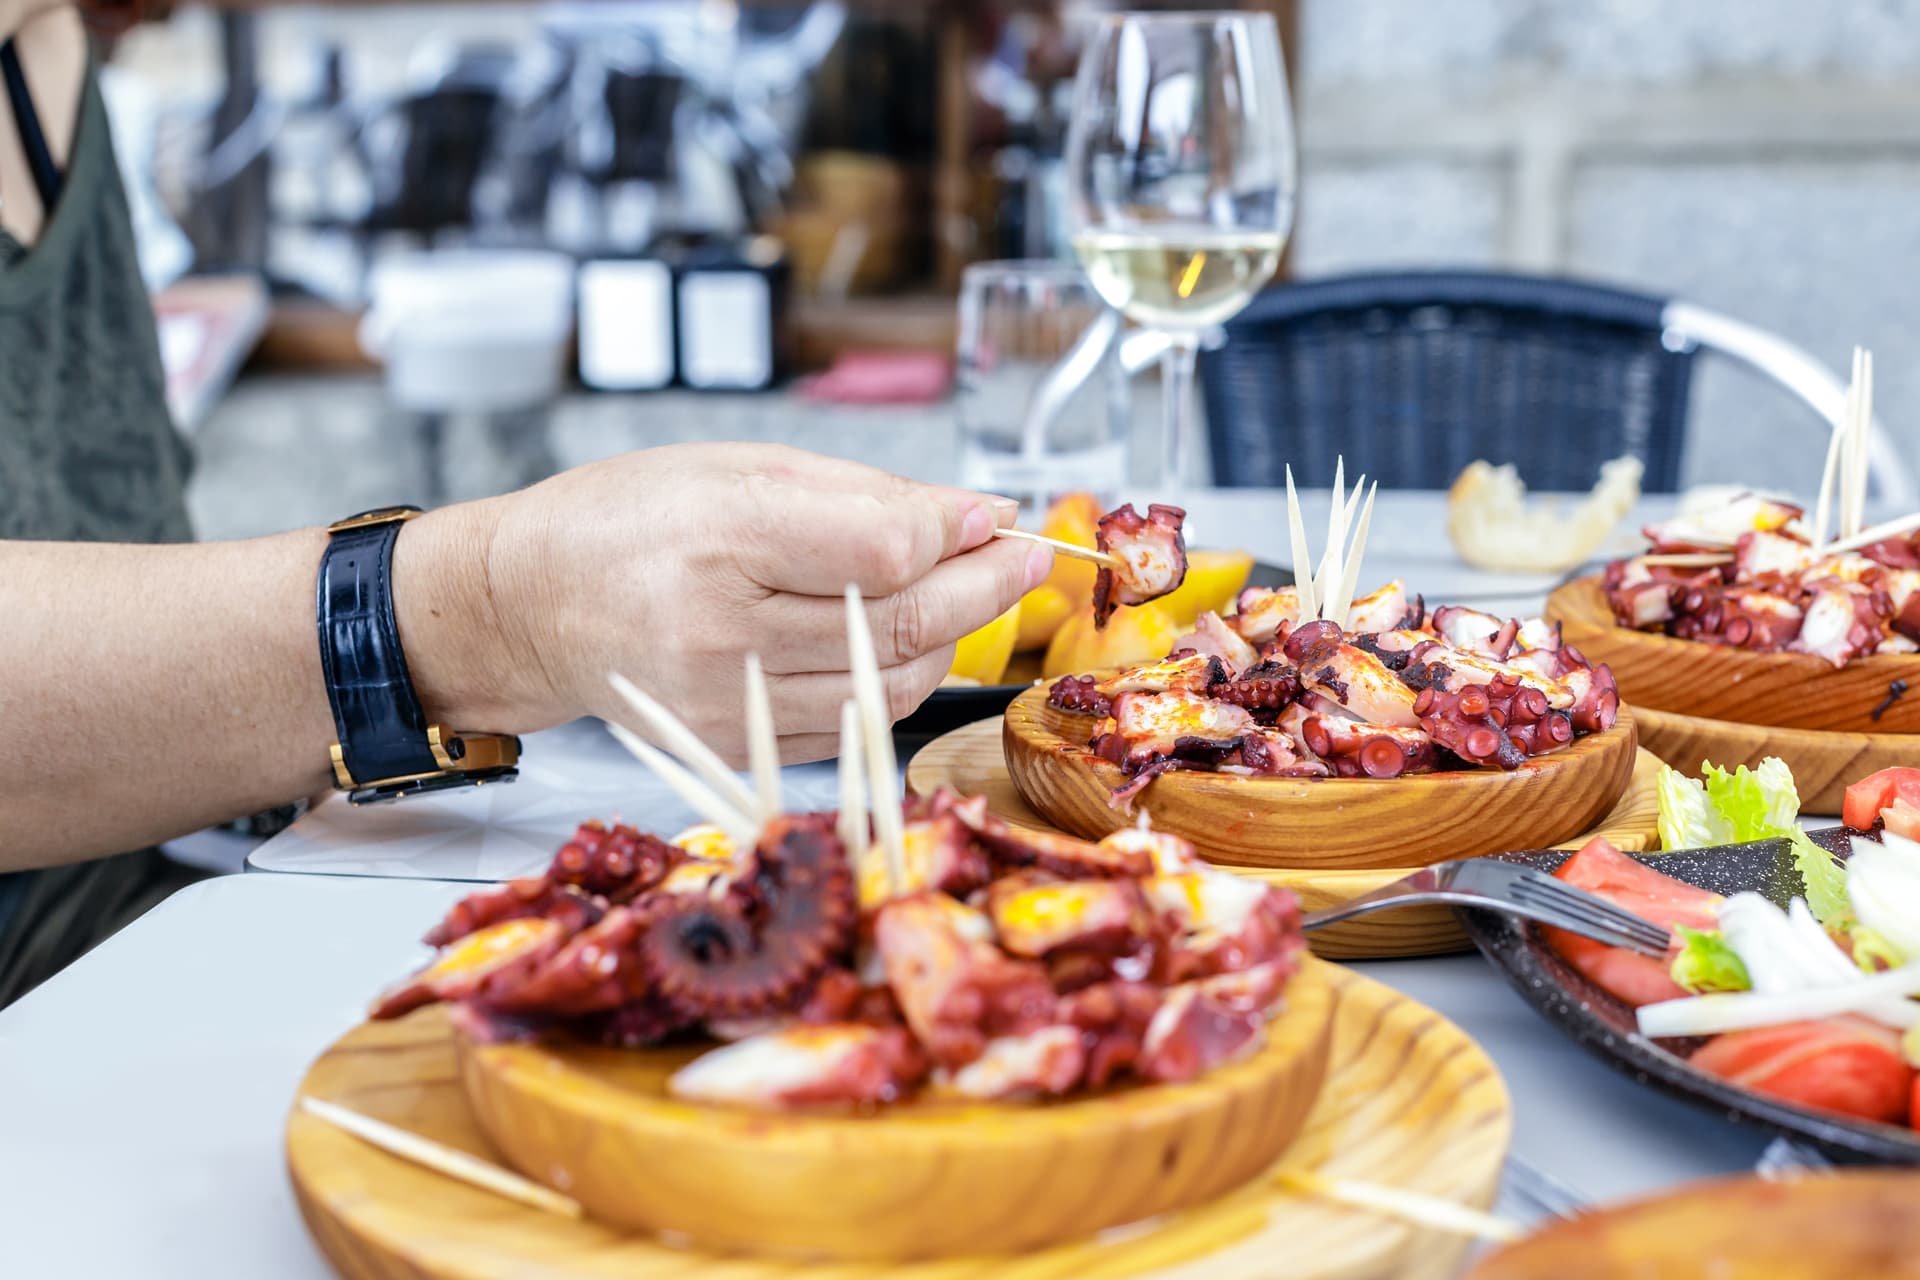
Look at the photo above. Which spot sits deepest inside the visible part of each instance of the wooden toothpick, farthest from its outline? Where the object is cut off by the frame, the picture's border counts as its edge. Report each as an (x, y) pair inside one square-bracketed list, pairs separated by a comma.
[(683, 742), (1685, 559), (1409, 1206), (763, 748), (1343, 601), (1867, 537), (1857, 454), (1302, 561), (1329, 572), (741, 829), (1091, 556), (883, 780), (441, 1158), (854, 830)]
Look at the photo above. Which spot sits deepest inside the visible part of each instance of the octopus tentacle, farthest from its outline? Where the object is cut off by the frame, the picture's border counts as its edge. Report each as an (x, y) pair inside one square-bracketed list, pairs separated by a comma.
[(1461, 722), (1266, 685), (1077, 694), (514, 900), (619, 863), (754, 949), (593, 971)]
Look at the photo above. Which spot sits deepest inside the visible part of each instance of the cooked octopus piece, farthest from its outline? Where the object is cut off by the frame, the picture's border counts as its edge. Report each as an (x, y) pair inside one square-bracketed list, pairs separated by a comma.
[(1152, 553)]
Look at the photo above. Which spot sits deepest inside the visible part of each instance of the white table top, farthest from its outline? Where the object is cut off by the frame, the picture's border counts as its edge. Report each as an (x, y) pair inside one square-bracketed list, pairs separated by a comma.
[(143, 1091)]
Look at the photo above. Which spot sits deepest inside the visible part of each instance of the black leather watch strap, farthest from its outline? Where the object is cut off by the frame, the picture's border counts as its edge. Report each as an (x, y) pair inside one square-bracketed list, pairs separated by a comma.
[(386, 746), (376, 713)]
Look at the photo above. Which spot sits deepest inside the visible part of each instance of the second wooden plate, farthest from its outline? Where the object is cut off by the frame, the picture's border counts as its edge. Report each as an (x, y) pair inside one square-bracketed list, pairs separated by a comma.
[(1877, 695), (970, 761), (1332, 824)]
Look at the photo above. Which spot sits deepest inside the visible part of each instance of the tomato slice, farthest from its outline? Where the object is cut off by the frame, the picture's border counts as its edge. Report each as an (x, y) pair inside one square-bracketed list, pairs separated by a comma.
[(1601, 869), (1878, 791), (1845, 1065), (1902, 818), (1622, 974), (1913, 1105)]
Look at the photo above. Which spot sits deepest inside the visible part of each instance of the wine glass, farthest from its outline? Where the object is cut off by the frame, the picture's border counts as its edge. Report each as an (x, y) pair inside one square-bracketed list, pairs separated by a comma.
[(1180, 163)]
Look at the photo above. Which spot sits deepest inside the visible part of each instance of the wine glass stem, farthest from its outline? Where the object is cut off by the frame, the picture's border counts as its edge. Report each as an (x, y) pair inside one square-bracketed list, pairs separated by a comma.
[(1176, 386)]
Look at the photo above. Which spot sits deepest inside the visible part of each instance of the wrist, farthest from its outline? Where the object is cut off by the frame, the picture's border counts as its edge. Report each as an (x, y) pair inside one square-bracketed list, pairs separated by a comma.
[(460, 626)]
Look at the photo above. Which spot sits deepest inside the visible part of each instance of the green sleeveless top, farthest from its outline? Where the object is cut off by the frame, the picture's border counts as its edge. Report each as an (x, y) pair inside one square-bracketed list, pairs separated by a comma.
[(87, 453), (87, 450)]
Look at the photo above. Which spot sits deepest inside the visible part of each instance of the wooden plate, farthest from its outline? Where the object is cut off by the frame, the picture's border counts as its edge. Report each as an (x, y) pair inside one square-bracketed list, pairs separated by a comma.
[(1823, 761), (1796, 690), (971, 761), (1342, 824), (1410, 1100), (1832, 1226), (918, 1180)]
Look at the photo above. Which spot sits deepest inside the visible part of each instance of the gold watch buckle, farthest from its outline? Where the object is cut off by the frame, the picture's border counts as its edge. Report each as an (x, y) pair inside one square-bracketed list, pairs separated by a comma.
[(454, 751), (379, 515)]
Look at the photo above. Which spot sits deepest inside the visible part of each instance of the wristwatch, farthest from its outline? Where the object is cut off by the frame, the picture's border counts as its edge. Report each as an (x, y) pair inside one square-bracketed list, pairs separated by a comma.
[(386, 748)]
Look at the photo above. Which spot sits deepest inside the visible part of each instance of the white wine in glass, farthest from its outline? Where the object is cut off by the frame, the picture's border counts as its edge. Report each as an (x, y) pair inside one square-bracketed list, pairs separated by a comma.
[(1180, 164), (1179, 277)]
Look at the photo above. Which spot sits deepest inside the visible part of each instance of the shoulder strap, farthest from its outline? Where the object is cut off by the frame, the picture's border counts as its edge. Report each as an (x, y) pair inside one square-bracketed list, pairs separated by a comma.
[(46, 175)]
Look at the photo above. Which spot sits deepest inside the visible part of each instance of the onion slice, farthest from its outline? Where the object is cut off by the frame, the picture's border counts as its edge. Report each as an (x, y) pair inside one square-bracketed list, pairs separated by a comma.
[(1741, 1011)]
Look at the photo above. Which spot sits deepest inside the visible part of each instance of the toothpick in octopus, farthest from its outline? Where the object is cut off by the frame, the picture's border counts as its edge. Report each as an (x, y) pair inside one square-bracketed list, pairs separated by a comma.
[(763, 748), (1069, 549), (741, 829), (854, 829), (684, 743), (883, 777)]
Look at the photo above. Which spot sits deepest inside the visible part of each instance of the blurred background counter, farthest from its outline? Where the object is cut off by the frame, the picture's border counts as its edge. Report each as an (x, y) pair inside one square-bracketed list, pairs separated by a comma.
[(1759, 157)]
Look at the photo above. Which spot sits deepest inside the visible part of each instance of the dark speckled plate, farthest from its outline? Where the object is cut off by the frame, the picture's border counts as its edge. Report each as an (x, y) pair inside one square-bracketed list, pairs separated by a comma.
[(1605, 1025)]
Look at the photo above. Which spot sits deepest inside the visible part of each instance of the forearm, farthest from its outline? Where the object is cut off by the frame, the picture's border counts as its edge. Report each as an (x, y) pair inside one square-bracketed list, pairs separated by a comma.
[(149, 691)]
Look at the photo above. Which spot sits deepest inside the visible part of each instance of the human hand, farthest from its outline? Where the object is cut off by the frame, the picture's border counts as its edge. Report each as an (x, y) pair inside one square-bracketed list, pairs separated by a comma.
[(671, 565)]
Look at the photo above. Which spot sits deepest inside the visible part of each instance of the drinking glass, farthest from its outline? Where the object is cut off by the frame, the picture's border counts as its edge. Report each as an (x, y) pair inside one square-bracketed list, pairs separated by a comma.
[(1042, 401), (1180, 164)]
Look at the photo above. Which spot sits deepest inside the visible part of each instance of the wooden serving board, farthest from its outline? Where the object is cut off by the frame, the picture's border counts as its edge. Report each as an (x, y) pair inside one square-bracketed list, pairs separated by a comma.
[(1794, 690), (970, 760), (919, 1180), (1331, 824), (1410, 1101), (1822, 1225), (1824, 762)]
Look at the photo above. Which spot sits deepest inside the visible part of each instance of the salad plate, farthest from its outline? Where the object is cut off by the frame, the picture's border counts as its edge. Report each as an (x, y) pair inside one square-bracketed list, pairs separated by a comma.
[(1606, 1025)]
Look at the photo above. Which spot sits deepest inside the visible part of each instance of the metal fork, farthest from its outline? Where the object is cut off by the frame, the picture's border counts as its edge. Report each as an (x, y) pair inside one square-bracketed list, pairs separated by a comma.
[(1510, 889)]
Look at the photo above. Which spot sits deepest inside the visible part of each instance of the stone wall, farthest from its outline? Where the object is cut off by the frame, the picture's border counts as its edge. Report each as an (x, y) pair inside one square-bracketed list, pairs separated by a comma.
[(1757, 156)]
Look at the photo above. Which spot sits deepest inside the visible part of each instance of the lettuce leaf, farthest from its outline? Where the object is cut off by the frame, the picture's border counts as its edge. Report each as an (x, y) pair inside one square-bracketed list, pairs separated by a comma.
[(1706, 963), (1725, 808), (1760, 803), (1825, 879), (1688, 819)]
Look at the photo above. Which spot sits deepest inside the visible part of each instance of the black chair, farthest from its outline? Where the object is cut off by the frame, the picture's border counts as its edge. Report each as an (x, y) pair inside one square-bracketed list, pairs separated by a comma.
[(1413, 375)]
